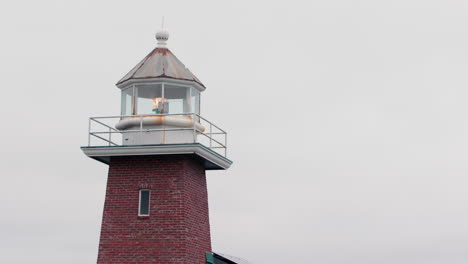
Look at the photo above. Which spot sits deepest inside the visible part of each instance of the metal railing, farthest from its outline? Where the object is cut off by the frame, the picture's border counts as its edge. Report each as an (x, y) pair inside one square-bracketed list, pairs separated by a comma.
[(102, 131)]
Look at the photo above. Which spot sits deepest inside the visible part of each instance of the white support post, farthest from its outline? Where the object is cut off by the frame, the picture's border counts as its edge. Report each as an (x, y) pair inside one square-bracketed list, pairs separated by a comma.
[(194, 131), (211, 134), (110, 136), (141, 130), (89, 133), (225, 144)]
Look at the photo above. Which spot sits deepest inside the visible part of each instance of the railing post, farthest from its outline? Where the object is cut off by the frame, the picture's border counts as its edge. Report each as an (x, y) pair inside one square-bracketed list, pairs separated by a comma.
[(141, 130), (89, 133), (211, 133), (194, 131), (110, 136), (225, 144)]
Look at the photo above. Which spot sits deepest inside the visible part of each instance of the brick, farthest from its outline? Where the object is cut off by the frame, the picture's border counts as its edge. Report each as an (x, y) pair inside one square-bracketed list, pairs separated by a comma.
[(177, 230)]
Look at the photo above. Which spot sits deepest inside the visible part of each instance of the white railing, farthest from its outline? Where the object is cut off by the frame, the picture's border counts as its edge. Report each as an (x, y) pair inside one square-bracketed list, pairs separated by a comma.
[(102, 131)]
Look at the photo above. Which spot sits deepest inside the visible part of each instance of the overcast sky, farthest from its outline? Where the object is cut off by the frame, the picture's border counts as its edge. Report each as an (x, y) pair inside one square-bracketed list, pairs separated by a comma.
[(346, 119)]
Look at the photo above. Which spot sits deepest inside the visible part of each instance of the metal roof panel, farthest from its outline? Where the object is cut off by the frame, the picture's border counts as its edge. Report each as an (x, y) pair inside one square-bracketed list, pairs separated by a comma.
[(160, 63)]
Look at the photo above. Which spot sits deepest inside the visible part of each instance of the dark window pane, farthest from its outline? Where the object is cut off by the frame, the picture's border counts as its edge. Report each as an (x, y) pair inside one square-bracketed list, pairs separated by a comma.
[(144, 202)]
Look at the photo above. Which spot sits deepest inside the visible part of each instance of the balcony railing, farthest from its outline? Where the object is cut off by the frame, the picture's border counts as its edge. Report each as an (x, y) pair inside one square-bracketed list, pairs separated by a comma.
[(102, 131)]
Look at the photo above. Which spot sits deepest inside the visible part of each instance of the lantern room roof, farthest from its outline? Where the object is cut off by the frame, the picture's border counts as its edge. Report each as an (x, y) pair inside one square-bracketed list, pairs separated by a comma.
[(160, 63)]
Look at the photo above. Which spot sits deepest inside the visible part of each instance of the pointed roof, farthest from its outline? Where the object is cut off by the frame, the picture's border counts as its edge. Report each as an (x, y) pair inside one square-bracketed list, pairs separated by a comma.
[(160, 63)]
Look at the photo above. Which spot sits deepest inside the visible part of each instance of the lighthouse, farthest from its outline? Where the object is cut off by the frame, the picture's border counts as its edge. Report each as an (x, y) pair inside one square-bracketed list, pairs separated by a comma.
[(158, 149)]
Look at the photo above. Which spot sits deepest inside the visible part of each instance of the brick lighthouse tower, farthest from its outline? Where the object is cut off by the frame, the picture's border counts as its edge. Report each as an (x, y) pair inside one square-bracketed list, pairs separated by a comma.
[(158, 149)]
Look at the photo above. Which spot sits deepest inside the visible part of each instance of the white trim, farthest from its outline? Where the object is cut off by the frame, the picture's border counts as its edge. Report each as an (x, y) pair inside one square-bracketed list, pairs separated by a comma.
[(196, 149), (134, 100), (139, 202), (158, 80)]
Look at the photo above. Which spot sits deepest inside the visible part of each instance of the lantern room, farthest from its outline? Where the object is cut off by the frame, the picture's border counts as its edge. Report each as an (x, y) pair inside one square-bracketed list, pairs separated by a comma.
[(160, 84), (160, 97), (165, 95)]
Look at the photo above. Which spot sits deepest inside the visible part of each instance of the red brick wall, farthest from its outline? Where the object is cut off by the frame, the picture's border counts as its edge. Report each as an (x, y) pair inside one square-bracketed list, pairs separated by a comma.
[(177, 230)]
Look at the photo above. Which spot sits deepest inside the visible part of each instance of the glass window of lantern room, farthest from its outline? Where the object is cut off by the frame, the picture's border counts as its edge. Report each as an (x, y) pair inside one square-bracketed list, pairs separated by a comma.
[(195, 101), (177, 98), (149, 99), (126, 103)]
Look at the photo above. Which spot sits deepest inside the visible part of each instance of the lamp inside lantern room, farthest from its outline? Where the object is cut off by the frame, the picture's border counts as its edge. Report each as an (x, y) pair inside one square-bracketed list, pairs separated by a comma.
[(160, 105)]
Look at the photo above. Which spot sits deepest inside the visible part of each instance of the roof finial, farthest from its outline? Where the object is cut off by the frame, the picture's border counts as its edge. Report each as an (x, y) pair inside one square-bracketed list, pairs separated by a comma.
[(162, 36)]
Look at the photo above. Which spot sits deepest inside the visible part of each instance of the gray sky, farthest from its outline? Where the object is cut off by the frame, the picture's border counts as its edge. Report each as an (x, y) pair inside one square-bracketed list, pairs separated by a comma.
[(346, 119)]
